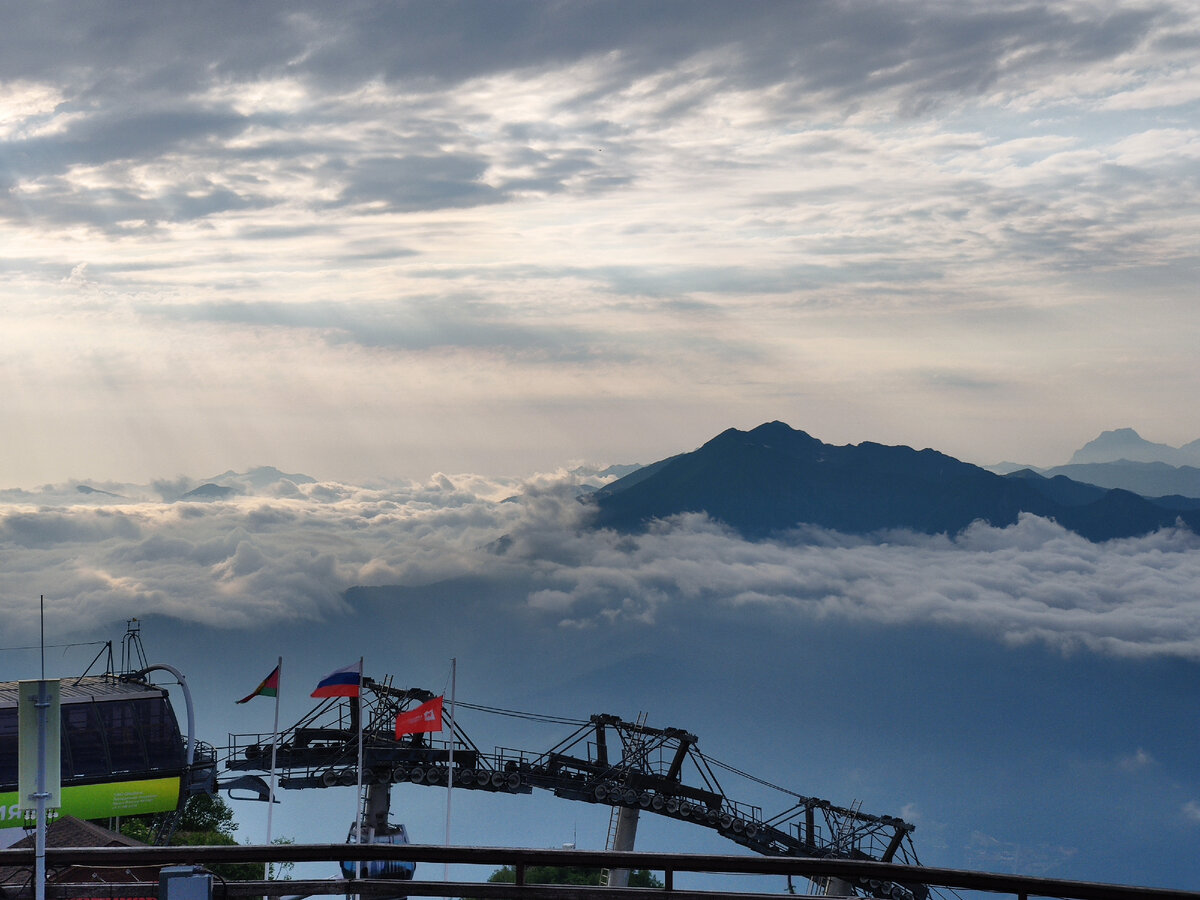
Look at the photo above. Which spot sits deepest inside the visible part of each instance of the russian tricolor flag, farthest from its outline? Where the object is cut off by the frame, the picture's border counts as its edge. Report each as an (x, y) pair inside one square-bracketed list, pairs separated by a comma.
[(344, 682)]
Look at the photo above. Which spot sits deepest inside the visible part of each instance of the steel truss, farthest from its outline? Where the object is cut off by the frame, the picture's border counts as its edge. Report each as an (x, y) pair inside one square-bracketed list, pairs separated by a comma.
[(605, 760)]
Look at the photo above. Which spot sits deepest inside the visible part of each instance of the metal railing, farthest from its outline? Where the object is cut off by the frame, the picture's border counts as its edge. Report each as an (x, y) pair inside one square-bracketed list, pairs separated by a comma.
[(116, 859)]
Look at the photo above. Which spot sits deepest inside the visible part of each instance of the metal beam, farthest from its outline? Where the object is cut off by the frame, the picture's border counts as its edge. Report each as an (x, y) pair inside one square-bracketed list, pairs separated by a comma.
[(117, 857)]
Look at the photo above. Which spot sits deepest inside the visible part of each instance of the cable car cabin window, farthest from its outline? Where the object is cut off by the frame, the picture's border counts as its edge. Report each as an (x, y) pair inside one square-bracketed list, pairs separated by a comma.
[(104, 735), (8, 745), (118, 719), (83, 740), (164, 743)]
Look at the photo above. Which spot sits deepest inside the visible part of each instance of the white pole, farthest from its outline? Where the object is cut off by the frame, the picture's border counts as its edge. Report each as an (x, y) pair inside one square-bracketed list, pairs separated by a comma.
[(39, 841), (358, 802), (450, 762), (274, 746)]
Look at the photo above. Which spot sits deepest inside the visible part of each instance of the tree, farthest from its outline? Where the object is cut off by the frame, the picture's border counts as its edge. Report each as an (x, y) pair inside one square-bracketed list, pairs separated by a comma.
[(207, 821), (569, 875)]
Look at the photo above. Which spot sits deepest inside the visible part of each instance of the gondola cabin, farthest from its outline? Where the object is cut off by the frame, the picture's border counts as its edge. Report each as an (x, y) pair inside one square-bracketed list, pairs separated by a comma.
[(122, 750), (392, 869)]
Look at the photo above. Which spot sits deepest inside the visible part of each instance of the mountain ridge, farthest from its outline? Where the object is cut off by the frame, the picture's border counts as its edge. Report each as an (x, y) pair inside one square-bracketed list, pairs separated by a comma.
[(774, 478)]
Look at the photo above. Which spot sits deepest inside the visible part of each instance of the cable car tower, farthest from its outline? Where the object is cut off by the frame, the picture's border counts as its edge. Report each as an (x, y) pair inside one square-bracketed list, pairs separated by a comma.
[(628, 766)]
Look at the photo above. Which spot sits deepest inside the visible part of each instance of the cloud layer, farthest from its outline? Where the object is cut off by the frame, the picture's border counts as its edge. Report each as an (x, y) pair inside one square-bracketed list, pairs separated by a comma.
[(293, 550), (1017, 692)]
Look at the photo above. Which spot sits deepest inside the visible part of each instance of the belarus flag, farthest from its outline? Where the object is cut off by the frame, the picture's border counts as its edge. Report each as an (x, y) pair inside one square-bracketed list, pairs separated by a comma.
[(268, 688), (426, 717), (344, 682)]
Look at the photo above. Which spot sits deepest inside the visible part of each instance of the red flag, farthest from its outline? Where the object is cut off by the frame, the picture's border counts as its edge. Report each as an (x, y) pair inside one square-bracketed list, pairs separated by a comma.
[(426, 717)]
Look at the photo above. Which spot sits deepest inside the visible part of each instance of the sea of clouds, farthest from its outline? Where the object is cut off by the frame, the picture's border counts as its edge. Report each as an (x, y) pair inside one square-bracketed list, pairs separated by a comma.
[(289, 551)]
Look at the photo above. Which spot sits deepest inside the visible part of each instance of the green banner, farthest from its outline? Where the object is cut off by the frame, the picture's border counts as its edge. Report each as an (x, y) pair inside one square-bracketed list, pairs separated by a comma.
[(102, 801)]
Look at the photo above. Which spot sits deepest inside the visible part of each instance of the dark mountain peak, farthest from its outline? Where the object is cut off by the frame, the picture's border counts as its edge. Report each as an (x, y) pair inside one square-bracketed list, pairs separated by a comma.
[(1026, 473), (780, 431), (773, 436), (774, 478)]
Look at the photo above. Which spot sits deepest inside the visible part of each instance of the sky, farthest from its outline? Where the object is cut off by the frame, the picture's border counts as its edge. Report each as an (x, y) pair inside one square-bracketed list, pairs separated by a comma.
[(427, 258), (392, 239)]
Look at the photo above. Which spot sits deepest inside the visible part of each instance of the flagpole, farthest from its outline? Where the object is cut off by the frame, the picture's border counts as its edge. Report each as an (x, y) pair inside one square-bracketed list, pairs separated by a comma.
[(450, 762), (358, 803), (274, 747)]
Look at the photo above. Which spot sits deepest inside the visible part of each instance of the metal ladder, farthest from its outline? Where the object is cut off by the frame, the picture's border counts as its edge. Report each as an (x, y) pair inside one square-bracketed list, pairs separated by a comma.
[(615, 812)]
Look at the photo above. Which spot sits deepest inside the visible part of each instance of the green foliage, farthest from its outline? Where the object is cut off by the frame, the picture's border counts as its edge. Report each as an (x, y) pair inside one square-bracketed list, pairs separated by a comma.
[(207, 813), (569, 875), (207, 822), (277, 871), (227, 871), (140, 828)]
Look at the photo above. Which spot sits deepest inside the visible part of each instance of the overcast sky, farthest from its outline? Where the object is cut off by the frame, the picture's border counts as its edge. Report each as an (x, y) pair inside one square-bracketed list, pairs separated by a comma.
[(387, 239), (387, 244)]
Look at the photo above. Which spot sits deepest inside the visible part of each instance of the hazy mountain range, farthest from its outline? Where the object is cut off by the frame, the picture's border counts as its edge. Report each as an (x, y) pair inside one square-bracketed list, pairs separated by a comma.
[(774, 478), (1122, 458), (1127, 444)]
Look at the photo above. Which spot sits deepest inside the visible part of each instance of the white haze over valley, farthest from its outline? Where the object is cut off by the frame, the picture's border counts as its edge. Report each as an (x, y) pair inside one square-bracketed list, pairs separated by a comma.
[(290, 551)]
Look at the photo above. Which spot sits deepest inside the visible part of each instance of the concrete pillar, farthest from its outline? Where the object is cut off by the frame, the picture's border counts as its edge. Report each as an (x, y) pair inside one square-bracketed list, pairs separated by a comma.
[(833, 887), (375, 816), (627, 822)]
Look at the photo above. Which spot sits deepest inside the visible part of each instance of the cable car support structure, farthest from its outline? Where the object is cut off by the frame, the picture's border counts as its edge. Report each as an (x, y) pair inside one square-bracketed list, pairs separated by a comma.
[(628, 766)]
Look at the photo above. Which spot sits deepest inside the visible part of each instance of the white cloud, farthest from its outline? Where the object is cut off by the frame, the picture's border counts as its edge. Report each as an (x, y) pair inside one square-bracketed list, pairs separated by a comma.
[(292, 553), (806, 207), (985, 852), (1137, 760)]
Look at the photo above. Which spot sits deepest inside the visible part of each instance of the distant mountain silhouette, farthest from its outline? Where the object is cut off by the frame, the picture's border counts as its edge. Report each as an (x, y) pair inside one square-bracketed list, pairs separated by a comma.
[(88, 489), (209, 492), (774, 478), (1150, 479), (1127, 444), (259, 478)]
